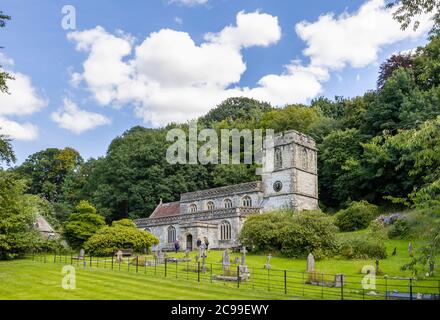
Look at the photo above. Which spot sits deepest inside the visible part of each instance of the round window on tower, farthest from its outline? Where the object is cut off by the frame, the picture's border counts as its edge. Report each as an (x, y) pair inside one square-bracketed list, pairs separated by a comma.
[(277, 186)]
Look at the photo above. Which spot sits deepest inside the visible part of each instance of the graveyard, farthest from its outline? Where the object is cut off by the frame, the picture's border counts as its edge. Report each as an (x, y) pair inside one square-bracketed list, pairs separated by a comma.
[(167, 275)]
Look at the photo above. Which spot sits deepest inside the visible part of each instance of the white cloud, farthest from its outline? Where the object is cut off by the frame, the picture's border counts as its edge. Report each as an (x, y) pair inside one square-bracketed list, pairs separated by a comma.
[(19, 131), (23, 100), (70, 117), (170, 78), (189, 3), (354, 39)]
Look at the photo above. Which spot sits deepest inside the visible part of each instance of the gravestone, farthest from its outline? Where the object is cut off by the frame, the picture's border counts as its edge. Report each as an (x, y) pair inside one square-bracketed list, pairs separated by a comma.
[(310, 263), (377, 266), (243, 269), (119, 256), (410, 249), (267, 264), (81, 255), (339, 280), (243, 256), (160, 257), (226, 261), (202, 249)]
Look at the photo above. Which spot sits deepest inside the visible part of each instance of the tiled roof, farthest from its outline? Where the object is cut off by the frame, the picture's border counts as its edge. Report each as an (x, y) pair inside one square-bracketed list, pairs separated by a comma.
[(166, 210)]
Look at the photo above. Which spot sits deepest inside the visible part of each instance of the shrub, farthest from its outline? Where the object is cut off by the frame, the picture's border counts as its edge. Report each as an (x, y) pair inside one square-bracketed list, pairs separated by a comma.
[(377, 230), (357, 216), (82, 224), (294, 235), (363, 248), (119, 236), (399, 229)]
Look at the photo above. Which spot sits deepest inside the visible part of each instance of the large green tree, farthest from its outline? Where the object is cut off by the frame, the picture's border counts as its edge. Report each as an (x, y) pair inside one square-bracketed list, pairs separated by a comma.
[(4, 76), (47, 170), (17, 216)]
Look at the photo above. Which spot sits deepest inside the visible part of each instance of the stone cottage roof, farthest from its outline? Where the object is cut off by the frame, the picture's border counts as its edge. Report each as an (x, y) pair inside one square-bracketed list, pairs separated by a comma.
[(42, 225), (166, 210)]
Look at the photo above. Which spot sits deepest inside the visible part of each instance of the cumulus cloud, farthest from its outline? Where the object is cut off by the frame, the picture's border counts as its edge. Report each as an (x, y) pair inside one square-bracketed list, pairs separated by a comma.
[(72, 118), (354, 39), (19, 131), (168, 77), (23, 100)]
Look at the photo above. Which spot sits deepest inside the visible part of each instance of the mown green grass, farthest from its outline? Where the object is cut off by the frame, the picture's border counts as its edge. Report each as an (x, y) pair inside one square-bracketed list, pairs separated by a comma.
[(41, 278), (26, 279)]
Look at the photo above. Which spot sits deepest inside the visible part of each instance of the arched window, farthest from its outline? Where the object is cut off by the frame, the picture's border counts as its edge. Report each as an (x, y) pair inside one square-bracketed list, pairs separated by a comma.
[(225, 230), (305, 159), (193, 208), (210, 205), (278, 158), (171, 234), (246, 201), (228, 203)]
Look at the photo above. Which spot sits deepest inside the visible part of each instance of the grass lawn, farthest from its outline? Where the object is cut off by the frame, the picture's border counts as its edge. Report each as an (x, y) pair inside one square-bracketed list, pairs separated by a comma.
[(100, 279), (25, 279)]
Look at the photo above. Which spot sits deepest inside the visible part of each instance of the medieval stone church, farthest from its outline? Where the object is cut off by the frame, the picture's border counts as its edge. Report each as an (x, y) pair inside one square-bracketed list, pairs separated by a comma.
[(289, 180)]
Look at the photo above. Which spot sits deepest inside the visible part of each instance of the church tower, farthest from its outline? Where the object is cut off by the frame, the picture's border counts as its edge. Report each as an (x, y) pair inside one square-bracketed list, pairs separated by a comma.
[(289, 173)]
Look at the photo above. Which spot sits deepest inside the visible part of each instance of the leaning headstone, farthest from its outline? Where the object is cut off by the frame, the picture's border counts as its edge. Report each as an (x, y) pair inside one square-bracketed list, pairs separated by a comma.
[(410, 249), (267, 264), (310, 263), (226, 261)]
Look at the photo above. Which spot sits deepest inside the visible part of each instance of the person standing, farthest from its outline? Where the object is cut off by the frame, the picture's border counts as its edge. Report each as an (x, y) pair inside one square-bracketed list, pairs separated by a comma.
[(176, 246), (199, 243), (206, 243)]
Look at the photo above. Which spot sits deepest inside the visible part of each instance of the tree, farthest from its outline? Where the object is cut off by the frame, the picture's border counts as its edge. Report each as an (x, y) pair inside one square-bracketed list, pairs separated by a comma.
[(48, 169), (17, 217), (393, 63), (236, 108), (122, 234), (6, 152), (134, 175), (408, 10), (4, 76), (82, 224)]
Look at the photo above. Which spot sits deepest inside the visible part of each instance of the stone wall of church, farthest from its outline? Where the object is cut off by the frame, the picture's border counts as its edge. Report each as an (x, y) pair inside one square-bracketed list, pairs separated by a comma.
[(198, 229)]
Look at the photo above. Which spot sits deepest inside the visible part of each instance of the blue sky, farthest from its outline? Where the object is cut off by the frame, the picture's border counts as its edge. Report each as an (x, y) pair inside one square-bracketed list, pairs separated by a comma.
[(282, 51)]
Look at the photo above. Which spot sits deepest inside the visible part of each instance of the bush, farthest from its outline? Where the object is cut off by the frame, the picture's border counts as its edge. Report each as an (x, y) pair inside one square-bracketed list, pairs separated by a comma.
[(82, 224), (363, 248), (119, 236), (399, 229), (357, 216), (294, 235)]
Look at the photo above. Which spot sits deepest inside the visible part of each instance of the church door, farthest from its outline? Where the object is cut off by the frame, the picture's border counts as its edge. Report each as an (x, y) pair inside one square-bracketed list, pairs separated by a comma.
[(189, 242)]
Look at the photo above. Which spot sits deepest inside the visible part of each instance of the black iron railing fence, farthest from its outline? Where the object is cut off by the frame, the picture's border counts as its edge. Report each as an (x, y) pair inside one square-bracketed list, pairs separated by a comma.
[(286, 282)]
